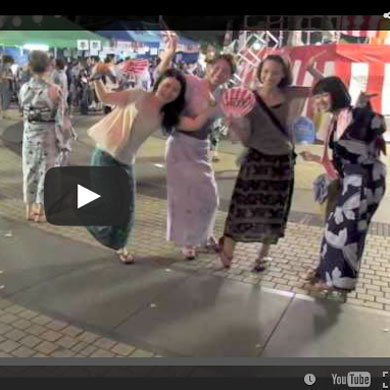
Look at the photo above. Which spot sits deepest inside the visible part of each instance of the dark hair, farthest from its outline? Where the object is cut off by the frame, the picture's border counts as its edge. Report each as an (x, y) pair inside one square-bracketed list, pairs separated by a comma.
[(287, 79), (109, 58), (60, 63), (337, 90), (226, 57), (173, 109), (8, 59), (39, 61)]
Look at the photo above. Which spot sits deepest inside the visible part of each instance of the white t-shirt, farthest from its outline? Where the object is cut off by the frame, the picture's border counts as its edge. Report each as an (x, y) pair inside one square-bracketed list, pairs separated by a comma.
[(143, 126)]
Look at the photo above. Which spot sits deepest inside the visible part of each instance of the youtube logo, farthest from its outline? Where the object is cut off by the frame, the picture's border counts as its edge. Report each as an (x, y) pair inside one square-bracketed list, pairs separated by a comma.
[(87, 196)]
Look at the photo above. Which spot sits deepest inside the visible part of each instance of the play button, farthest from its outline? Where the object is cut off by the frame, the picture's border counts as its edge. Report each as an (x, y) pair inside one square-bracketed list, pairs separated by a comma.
[(85, 196)]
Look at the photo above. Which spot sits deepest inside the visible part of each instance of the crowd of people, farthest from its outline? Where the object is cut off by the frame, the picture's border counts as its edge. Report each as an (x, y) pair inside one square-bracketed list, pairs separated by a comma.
[(186, 107), (73, 75)]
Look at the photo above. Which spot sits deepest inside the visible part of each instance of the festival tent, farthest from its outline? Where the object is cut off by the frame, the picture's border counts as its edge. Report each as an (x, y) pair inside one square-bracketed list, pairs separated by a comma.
[(137, 35), (54, 38), (51, 31), (361, 67)]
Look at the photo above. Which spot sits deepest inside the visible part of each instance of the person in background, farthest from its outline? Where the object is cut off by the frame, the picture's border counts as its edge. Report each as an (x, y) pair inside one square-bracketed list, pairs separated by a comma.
[(6, 79), (96, 104), (43, 118), (59, 77), (110, 85), (84, 89)]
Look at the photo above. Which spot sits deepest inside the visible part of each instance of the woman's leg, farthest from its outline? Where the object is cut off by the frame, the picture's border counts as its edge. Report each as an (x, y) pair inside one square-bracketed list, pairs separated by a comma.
[(29, 212), (114, 237), (227, 245), (262, 258), (39, 215)]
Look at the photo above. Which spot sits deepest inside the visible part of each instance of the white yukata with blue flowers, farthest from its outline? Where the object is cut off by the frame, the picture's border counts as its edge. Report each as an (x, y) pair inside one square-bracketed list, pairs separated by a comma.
[(44, 138)]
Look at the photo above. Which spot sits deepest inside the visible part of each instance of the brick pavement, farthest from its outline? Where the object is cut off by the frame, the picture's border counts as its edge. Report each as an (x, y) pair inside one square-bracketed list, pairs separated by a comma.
[(26, 333)]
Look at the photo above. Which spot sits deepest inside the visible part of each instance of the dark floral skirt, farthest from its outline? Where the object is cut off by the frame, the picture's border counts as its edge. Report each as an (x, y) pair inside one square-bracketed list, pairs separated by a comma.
[(261, 200)]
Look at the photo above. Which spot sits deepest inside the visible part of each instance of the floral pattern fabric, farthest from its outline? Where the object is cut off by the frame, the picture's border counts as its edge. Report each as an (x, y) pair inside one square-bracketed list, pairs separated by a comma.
[(356, 157)]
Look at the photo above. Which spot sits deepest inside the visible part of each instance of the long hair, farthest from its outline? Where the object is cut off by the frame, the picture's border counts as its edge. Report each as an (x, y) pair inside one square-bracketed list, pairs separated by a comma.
[(285, 64), (337, 90), (173, 109)]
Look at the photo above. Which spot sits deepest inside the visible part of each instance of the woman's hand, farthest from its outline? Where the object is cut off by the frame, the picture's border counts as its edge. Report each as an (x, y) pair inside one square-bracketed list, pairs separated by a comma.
[(171, 44), (364, 98), (311, 62), (308, 156)]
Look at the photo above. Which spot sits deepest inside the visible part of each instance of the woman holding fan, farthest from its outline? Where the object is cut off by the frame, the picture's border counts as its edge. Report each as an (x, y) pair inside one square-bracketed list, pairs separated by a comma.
[(192, 188), (263, 191)]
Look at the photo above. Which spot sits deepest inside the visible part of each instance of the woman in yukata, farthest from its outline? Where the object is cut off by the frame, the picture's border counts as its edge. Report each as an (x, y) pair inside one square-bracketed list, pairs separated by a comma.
[(356, 139), (43, 138)]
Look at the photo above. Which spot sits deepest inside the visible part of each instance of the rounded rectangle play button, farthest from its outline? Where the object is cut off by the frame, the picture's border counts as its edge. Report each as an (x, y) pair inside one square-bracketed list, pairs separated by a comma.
[(87, 196)]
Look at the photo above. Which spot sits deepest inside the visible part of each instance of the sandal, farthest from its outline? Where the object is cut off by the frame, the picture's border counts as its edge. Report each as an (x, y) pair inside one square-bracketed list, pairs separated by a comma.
[(125, 257), (310, 274), (212, 245), (260, 263), (226, 259), (188, 253), (322, 287)]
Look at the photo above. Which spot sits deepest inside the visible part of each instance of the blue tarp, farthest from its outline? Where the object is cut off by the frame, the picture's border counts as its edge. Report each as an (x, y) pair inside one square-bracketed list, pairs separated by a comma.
[(16, 54), (137, 31), (119, 35)]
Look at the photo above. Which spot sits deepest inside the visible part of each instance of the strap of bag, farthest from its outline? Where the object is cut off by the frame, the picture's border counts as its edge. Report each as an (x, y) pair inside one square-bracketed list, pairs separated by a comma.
[(274, 120), (271, 115)]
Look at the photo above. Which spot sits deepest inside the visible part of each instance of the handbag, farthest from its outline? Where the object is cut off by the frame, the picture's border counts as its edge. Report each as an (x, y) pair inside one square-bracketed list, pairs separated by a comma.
[(113, 131)]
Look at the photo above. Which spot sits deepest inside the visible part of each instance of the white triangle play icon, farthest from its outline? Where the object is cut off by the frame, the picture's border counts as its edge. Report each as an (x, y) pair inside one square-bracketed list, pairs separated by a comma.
[(85, 196)]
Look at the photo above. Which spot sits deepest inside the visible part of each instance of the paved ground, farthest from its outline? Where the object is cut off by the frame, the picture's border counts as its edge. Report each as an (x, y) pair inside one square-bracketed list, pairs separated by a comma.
[(55, 279)]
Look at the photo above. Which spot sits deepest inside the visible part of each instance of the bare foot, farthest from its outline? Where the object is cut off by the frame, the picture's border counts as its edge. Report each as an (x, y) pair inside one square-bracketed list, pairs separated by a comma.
[(189, 252)]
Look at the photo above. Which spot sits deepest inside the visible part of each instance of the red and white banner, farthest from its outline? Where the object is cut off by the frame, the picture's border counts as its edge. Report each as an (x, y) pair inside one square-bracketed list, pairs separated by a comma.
[(361, 67)]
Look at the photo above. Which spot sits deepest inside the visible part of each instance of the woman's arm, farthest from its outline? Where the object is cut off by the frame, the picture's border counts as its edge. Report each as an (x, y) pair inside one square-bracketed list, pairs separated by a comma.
[(312, 70), (167, 55), (193, 124), (121, 98), (239, 130)]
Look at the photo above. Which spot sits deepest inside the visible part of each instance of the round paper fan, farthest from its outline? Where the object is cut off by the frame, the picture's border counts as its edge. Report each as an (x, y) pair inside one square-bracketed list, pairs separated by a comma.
[(237, 102)]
